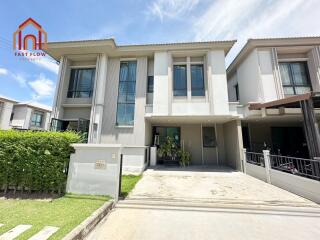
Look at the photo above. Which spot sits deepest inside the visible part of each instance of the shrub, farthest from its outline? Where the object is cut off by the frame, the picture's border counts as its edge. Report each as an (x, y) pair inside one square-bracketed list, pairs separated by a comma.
[(35, 161)]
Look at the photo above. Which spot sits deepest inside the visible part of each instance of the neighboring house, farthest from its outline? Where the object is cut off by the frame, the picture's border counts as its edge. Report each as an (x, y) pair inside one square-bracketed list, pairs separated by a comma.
[(29, 115), (137, 95), (277, 82), (6, 107)]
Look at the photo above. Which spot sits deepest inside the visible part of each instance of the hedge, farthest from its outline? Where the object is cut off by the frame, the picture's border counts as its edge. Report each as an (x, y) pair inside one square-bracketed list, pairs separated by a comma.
[(35, 161)]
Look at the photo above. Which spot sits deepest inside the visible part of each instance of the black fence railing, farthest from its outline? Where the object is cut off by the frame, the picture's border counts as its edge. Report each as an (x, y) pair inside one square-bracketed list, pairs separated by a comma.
[(298, 166), (79, 94), (255, 158)]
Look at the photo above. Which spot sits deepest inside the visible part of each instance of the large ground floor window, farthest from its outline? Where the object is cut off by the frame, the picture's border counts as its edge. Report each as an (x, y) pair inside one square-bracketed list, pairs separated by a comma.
[(160, 134)]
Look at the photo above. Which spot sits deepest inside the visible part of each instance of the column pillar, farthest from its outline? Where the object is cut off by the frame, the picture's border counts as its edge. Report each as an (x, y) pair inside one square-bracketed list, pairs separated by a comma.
[(217, 83), (57, 110), (266, 156), (98, 99), (244, 160)]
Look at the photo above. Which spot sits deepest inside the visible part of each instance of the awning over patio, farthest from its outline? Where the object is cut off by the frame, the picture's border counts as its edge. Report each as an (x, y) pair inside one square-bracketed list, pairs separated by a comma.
[(307, 102)]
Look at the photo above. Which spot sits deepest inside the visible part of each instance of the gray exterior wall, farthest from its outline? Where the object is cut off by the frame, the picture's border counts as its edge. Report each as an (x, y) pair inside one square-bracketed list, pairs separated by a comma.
[(233, 144), (127, 135)]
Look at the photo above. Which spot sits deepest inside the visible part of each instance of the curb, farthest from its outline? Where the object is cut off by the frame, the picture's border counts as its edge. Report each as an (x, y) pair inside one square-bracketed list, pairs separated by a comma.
[(84, 228)]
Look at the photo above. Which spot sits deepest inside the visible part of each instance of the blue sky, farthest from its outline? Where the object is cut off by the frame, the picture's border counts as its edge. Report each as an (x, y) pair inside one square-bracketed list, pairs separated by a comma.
[(137, 21)]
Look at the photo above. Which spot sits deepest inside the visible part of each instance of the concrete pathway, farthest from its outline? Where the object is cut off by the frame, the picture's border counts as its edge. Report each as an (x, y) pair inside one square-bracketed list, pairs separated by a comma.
[(204, 204)]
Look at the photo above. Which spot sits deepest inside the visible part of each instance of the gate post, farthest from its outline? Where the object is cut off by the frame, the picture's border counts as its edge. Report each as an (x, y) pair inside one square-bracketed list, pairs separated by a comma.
[(266, 156), (244, 160)]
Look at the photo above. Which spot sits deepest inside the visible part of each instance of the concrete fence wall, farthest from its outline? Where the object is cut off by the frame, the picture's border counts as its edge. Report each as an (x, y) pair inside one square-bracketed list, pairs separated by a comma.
[(95, 169), (301, 186), (256, 171), (135, 159)]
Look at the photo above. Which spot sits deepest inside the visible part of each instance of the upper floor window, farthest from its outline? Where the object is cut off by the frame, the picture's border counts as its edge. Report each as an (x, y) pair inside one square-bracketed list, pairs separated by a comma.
[(81, 83), (150, 84), (36, 119), (295, 78), (180, 80), (126, 93), (197, 80)]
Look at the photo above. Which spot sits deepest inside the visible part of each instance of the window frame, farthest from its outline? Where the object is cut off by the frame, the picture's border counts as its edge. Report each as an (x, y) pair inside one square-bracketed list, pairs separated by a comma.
[(186, 80), (292, 84), (203, 81), (214, 144), (35, 123), (149, 88), (236, 88), (74, 92), (126, 103)]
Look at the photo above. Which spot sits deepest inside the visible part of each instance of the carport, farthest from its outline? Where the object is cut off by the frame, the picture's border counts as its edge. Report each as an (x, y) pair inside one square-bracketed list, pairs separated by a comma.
[(211, 140)]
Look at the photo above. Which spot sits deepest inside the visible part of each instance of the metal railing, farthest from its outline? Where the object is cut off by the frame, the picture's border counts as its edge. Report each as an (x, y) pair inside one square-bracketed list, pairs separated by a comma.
[(79, 94), (255, 158), (298, 166)]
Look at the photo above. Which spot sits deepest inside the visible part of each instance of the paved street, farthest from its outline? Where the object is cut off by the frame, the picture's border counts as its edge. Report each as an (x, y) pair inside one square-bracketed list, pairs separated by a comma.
[(217, 204)]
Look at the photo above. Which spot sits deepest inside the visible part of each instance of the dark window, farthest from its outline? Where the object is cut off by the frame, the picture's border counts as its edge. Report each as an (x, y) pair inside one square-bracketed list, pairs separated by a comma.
[(295, 78), (197, 80), (11, 116), (36, 119), (160, 134), (81, 83), (180, 80), (236, 87), (150, 84), (126, 93), (209, 137)]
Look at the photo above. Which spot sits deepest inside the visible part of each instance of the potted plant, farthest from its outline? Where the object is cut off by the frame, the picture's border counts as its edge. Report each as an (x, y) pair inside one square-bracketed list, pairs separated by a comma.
[(185, 158), (172, 154)]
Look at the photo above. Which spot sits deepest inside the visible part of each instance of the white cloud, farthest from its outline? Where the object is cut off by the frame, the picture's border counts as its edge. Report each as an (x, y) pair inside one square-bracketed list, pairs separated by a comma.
[(43, 61), (20, 79), (225, 19), (171, 8), (42, 87), (48, 64), (3, 71)]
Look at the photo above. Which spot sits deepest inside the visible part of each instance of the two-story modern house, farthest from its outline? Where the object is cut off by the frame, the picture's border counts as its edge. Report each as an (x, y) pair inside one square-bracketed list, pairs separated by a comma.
[(137, 95), (276, 81), (6, 108), (30, 115), (23, 115)]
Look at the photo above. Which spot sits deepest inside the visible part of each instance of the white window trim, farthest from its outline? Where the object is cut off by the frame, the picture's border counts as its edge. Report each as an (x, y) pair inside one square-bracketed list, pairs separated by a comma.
[(189, 96), (82, 67), (281, 60)]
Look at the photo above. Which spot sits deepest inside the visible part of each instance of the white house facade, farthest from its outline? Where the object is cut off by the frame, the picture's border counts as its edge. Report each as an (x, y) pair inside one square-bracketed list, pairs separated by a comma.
[(6, 108), (137, 95), (29, 115), (277, 83)]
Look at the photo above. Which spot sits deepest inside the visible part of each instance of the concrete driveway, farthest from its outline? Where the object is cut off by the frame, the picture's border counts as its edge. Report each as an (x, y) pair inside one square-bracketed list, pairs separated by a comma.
[(209, 204)]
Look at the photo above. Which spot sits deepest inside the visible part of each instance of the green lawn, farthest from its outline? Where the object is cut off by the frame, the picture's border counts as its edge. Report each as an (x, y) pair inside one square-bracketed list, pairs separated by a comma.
[(65, 212), (127, 183)]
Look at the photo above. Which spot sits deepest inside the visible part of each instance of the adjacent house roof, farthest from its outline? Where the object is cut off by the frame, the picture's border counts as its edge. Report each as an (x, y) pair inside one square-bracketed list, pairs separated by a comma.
[(270, 42), (36, 105), (58, 49), (6, 99)]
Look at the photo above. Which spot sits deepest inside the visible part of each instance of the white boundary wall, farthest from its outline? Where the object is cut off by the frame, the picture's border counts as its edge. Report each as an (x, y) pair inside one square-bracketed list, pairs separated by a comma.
[(304, 187), (135, 159), (95, 169)]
